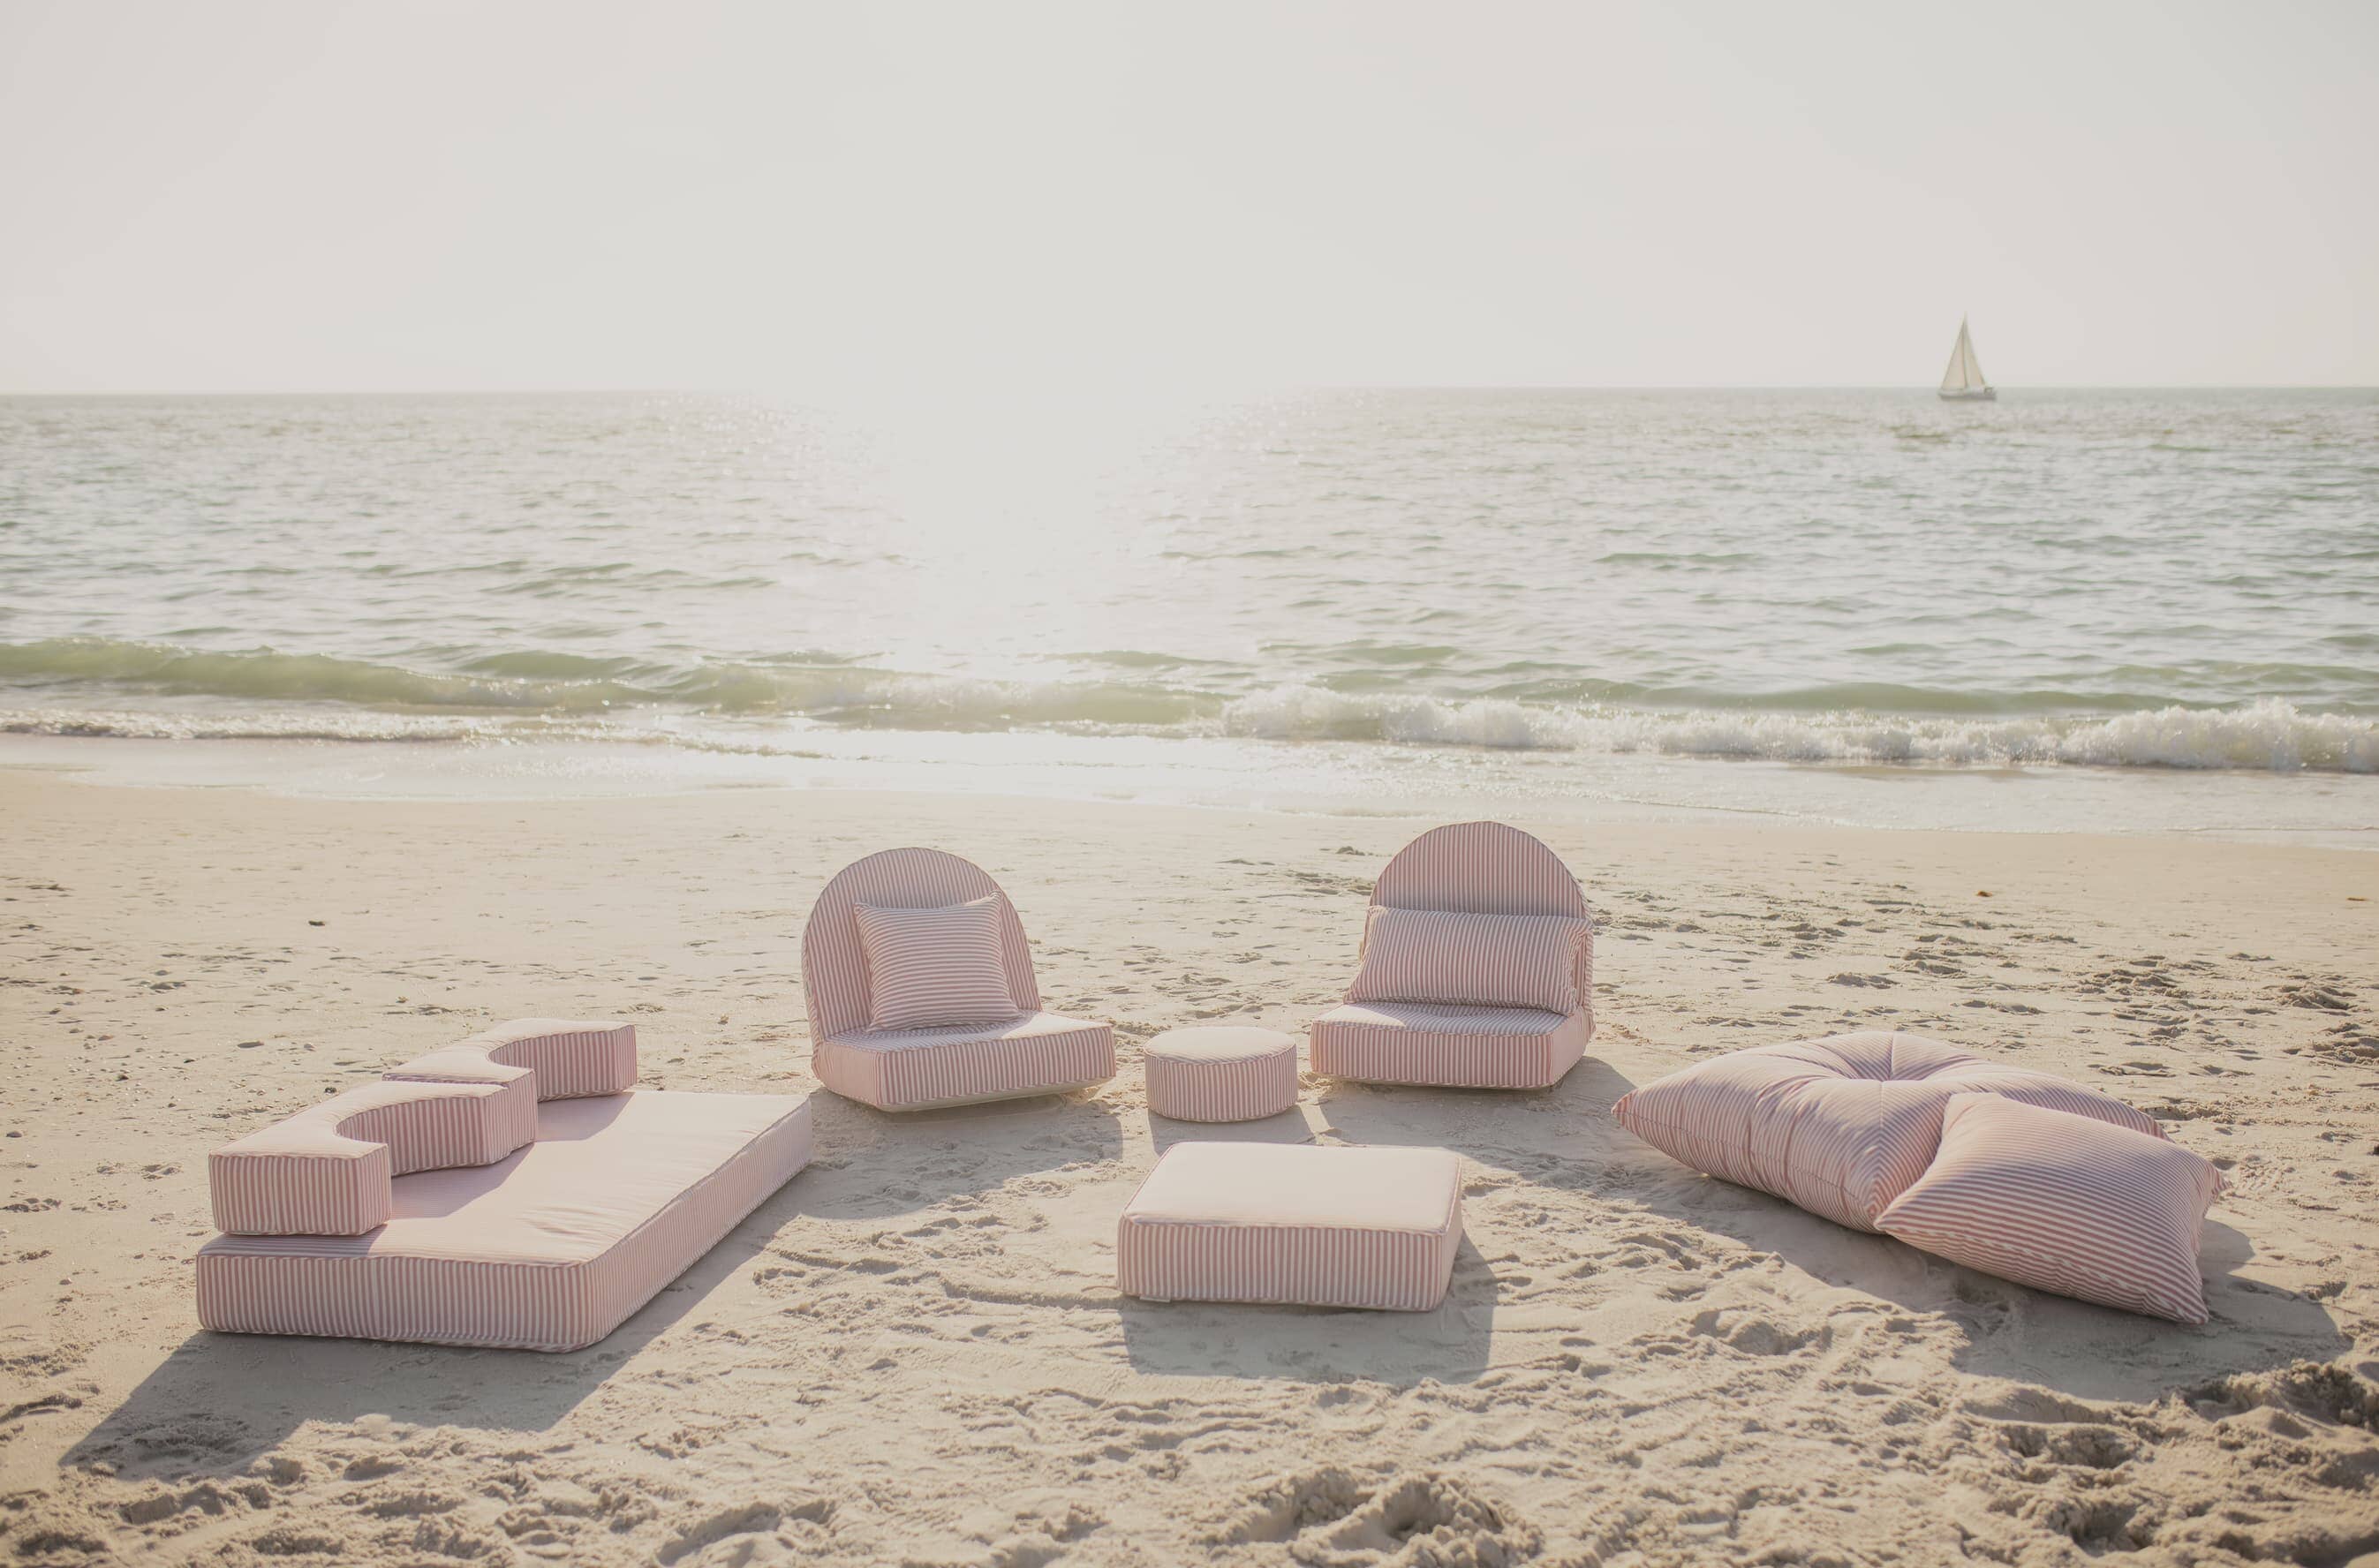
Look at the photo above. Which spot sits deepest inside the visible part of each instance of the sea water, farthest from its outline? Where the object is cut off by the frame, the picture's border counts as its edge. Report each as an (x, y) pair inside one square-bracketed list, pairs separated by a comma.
[(2109, 610)]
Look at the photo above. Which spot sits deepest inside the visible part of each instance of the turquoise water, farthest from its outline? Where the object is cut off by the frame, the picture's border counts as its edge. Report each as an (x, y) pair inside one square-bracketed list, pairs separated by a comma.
[(2080, 580)]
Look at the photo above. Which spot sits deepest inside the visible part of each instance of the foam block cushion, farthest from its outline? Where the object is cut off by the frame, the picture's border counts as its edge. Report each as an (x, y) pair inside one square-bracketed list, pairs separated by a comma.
[(1294, 1224)]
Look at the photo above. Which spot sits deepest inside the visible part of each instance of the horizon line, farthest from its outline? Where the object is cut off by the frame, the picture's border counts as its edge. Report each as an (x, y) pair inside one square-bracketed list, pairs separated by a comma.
[(528, 390)]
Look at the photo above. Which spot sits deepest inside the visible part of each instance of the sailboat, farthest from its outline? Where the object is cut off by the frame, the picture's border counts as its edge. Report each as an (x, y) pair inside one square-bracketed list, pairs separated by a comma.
[(1963, 381)]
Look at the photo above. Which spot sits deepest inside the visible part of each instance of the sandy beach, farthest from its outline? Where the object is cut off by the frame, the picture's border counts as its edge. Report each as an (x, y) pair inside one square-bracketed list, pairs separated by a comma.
[(915, 1353)]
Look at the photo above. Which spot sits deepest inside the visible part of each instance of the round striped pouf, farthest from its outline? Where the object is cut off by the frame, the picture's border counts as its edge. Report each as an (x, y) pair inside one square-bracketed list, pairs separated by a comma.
[(1221, 1075)]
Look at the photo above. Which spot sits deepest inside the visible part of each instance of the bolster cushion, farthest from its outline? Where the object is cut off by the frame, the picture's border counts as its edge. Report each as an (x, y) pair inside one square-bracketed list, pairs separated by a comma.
[(569, 1058), (327, 1170), (1484, 960)]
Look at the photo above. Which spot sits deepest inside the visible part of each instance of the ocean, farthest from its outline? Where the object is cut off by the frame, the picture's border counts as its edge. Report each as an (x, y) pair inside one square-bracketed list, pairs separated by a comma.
[(2108, 611)]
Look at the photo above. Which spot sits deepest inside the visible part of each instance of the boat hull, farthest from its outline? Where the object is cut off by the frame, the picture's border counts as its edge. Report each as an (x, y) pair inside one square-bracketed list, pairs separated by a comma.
[(1979, 394)]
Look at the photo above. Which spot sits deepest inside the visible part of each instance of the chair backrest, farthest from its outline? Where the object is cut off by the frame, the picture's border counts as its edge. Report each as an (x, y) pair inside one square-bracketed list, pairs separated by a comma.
[(1487, 868), (833, 967)]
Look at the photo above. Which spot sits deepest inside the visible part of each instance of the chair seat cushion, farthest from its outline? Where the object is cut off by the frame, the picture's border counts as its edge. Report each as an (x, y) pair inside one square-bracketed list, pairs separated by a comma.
[(1481, 960), (1294, 1224), (912, 1069), (550, 1248), (2063, 1203), (936, 966), (1839, 1125), (1445, 1047)]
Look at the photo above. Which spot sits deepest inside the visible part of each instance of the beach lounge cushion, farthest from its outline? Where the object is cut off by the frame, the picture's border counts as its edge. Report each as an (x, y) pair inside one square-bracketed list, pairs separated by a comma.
[(1839, 1125), (1450, 875), (567, 1056), (915, 1069), (550, 1248), (330, 1169), (2063, 1203), (1455, 1047), (1032, 1052), (1294, 1224), (1221, 1074), (932, 967), (1491, 960)]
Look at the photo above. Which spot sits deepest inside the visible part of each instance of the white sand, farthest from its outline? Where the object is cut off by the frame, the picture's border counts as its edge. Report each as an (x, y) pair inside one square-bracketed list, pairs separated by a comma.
[(915, 1353)]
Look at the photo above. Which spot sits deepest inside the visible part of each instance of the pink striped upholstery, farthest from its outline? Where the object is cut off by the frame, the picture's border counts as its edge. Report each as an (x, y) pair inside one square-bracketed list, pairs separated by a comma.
[(1221, 1075), (550, 1250), (569, 1057), (1839, 1125), (1480, 960), (1449, 1047), (933, 967), (1471, 868), (1034, 1053), (329, 1169), (916, 1070), (2063, 1203), (1294, 1224)]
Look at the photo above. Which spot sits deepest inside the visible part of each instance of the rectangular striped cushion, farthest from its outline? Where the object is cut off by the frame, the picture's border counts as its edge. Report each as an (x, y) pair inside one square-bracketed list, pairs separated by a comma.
[(1485, 961), (2063, 1203), (931, 966), (1294, 1224)]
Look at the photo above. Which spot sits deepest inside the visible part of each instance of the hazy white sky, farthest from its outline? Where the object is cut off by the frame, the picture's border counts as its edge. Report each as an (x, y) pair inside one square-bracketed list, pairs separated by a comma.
[(415, 195)]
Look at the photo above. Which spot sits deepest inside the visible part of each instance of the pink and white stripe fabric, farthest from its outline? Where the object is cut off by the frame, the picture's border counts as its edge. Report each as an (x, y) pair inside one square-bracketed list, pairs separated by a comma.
[(1032, 1053), (1469, 868), (1479, 960), (1293, 1224), (1222, 1074), (1841, 1126), (569, 1057), (329, 1170), (930, 967), (1448, 1047), (917, 1069), (2063, 1203), (550, 1250)]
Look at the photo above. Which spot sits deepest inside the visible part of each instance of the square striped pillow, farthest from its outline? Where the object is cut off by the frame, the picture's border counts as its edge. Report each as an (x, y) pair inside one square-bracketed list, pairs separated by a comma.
[(932, 967), (2063, 1203), (1488, 960)]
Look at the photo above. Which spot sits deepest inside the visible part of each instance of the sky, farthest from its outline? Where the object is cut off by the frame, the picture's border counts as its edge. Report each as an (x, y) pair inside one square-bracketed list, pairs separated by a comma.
[(878, 200)]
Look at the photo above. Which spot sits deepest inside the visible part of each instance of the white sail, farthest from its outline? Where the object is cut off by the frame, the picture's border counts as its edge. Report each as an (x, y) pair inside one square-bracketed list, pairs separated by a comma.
[(1966, 372)]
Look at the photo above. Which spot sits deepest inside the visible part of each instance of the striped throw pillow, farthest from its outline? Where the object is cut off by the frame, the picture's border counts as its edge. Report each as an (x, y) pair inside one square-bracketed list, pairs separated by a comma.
[(931, 966), (1488, 960), (2063, 1203)]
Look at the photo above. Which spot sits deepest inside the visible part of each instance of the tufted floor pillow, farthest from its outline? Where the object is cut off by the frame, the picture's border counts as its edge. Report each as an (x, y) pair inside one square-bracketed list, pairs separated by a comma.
[(1841, 1126)]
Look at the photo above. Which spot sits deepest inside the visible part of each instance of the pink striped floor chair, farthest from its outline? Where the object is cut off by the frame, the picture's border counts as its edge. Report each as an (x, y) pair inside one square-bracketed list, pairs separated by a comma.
[(1005, 1046), (511, 1191), (1477, 968)]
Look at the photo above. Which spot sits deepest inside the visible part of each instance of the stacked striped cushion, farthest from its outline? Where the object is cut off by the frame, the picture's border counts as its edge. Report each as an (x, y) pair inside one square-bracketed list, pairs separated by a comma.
[(2063, 1203), (1485, 960), (1839, 1125), (928, 968)]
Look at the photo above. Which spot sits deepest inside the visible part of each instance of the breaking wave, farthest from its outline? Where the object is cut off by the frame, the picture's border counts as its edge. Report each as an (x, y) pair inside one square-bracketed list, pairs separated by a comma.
[(96, 686)]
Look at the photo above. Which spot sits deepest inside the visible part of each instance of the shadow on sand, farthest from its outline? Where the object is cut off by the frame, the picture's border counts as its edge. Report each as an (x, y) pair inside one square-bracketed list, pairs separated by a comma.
[(1317, 1344)]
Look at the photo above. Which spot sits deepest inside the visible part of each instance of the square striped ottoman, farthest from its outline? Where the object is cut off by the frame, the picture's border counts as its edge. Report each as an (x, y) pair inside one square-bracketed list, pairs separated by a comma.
[(1293, 1224)]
